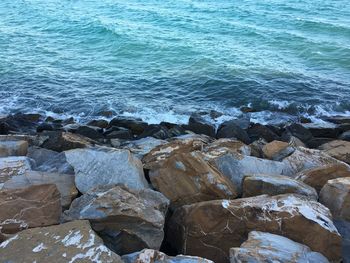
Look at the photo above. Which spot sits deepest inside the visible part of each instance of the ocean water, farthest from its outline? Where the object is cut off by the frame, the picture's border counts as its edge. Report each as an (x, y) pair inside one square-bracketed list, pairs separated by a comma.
[(162, 60)]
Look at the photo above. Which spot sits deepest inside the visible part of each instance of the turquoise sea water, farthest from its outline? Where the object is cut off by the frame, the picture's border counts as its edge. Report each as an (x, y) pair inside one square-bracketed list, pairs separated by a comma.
[(162, 60)]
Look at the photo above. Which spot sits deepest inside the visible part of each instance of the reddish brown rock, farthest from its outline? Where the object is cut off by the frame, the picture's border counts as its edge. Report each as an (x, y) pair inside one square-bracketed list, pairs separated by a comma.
[(277, 150), (338, 149), (13, 166)]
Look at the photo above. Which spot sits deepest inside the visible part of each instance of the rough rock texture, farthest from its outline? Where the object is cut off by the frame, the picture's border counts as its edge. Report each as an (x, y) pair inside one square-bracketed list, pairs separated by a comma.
[(185, 178), (345, 136), (137, 126), (277, 150), (303, 159), (13, 166), (299, 131), (127, 220), (64, 183), (344, 229), (13, 148), (338, 149), (209, 229), (70, 242), (102, 166), (259, 184), (266, 247), (231, 129), (154, 256), (318, 177), (335, 194), (258, 131), (33, 206), (229, 144), (199, 125), (142, 146)]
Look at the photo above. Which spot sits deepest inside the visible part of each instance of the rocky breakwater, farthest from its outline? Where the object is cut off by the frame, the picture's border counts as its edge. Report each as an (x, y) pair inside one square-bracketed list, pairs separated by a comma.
[(126, 191)]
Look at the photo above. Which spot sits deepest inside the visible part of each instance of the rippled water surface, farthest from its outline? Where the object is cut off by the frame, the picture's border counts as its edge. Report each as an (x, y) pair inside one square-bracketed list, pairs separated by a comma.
[(162, 60)]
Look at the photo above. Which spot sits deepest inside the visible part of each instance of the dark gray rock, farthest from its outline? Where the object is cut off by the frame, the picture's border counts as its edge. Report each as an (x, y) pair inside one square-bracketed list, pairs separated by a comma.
[(118, 133), (156, 131), (299, 131), (258, 131), (98, 123), (136, 126), (230, 129), (345, 136), (199, 125)]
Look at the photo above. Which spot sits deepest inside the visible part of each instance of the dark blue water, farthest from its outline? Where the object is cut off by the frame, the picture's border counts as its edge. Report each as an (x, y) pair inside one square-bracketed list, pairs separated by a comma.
[(162, 60)]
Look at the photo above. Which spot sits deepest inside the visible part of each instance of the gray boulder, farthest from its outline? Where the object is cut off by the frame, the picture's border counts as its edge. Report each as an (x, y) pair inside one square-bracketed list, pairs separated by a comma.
[(13, 148)]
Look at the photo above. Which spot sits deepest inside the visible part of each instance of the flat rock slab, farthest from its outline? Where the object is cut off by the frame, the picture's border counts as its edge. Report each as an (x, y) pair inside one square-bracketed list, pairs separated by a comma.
[(34, 206), (70, 242), (209, 229), (103, 166), (266, 247), (127, 220), (13, 166), (13, 148)]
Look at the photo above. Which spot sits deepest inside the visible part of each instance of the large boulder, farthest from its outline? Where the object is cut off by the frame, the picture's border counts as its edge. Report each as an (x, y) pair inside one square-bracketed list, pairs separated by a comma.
[(266, 247), (185, 178), (338, 149), (33, 206), (277, 150), (258, 131), (13, 148), (142, 146), (259, 184), (137, 126), (128, 220), (154, 256), (299, 131), (318, 177), (344, 229), (102, 166), (228, 144), (13, 166), (209, 229), (69, 242), (199, 125), (323, 130), (231, 129), (335, 194), (91, 132), (64, 183)]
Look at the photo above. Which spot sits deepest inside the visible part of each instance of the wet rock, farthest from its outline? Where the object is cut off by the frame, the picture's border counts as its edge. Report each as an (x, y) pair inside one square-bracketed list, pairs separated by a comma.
[(323, 130), (98, 123), (209, 229), (335, 194), (154, 256), (258, 131), (338, 119), (317, 142), (299, 131), (13, 148), (49, 127), (136, 126), (33, 206), (102, 166), (64, 183), (259, 184), (127, 220), (337, 149), (62, 141), (142, 146), (345, 136), (230, 129), (13, 166), (318, 177), (277, 150), (21, 123), (266, 247), (69, 242), (91, 132), (199, 125), (185, 178), (156, 131), (118, 133)]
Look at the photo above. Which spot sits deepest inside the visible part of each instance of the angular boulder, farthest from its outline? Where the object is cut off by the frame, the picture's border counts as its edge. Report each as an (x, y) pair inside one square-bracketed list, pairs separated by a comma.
[(266, 247), (259, 184), (338, 149), (13, 166), (230, 129), (127, 220), (142, 146), (299, 131), (335, 194), (13, 148), (70, 242), (185, 178), (229, 144), (209, 229), (33, 206), (137, 126), (103, 166), (258, 131), (318, 177), (277, 150), (199, 125)]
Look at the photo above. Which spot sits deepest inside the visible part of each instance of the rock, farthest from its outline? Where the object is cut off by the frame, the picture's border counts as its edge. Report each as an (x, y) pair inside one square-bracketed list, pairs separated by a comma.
[(209, 229), (98, 123), (137, 126), (259, 184), (142, 146), (154, 256), (228, 144), (299, 131), (107, 113), (338, 119), (235, 166), (345, 136), (156, 131), (199, 125), (118, 133), (230, 129), (344, 229), (266, 247), (185, 178), (49, 161), (91, 132), (215, 114), (102, 166), (13, 166), (33, 206), (127, 220), (335, 194), (338, 149), (317, 142), (21, 123), (49, 127), (62, 141), (303, 159), (63, 182), (69, 242), (318, 177), (256, 148), (295, 142), (258, 131), (13, 148), (324, 130), (277, 150)]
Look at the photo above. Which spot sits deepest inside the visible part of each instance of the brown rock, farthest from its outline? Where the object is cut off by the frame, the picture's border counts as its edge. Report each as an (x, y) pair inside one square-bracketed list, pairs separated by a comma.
[(13, 148), (185, 178), (33, 206), (277, 150), (338, 149), (318, 177), (228, 144), (13, 166), (69, 242), (335, 194), (209, 229)]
